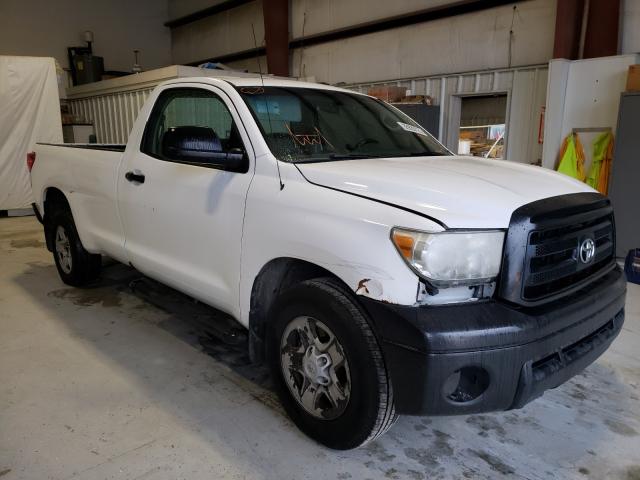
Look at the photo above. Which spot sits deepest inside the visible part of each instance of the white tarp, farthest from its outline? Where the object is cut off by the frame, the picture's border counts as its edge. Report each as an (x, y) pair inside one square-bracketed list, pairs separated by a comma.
[(29, 113)]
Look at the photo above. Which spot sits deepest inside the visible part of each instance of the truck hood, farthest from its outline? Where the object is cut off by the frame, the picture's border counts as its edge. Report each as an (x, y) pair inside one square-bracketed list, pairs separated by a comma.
[(461, 192)]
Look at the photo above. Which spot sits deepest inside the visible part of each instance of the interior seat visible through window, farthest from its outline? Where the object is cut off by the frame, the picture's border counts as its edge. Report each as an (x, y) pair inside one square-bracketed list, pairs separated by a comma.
[(185, 110)]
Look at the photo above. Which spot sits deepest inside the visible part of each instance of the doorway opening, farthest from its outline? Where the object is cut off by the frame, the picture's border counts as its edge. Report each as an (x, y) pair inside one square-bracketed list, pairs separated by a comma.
[(483, 122)]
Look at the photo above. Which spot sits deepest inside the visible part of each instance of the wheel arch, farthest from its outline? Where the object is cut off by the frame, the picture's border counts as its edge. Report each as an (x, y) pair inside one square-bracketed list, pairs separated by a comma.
[(274, 277), (53, 199)]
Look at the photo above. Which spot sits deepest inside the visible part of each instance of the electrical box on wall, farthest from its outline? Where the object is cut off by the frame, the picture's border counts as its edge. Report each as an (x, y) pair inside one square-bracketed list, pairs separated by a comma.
[(87, 68)]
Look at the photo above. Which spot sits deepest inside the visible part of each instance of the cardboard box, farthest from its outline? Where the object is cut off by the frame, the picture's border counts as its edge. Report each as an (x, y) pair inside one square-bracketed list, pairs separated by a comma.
[(633, 78), (388, 94)]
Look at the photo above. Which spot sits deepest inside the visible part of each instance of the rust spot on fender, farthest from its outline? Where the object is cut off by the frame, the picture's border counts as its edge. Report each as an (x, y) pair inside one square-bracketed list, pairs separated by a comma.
[(362, 285), (370, 287)]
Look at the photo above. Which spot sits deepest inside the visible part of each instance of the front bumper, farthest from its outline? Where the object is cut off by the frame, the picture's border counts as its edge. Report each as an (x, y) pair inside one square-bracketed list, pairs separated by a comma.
[(491, 356)]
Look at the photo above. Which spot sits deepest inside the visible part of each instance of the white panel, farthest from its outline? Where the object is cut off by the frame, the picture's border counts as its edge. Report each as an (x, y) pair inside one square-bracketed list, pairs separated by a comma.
[(583, 94)]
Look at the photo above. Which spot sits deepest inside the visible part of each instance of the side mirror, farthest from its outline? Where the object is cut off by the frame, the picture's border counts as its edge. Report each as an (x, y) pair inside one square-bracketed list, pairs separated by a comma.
[(201, 146)]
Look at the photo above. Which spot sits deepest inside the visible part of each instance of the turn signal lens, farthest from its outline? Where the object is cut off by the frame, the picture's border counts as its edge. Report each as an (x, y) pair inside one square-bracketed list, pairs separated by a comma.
[(404, 244)]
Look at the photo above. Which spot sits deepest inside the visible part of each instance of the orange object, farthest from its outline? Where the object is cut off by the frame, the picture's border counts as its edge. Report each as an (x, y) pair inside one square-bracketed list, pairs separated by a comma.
[(633, 78), (605, 171), (404, 244)]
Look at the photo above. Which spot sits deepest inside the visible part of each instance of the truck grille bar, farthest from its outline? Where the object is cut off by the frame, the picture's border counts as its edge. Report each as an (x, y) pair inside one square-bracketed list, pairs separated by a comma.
[(543, 249)]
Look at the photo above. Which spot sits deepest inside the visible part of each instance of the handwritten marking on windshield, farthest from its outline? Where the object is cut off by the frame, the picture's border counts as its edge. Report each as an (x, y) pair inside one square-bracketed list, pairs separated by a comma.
[(252, 90), (309, 138), (412, 129)]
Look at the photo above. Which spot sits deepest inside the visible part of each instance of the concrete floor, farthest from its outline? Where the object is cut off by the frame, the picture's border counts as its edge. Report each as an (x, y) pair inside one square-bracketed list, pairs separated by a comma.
[(99, 384)]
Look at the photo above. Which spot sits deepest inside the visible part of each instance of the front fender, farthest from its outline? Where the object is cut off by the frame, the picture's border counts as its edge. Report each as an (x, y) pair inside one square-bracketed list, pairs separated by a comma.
[(345, 235)]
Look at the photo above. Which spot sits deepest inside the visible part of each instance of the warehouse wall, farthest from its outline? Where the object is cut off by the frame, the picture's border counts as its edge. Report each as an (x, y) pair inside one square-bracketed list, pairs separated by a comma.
[(526, 90), (217, 35), (459, 44), (47, 28), (630, 25), (464, 43)]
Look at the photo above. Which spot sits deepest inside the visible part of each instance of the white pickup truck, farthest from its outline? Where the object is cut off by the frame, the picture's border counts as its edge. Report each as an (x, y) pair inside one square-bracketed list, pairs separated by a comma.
[(377, 273)]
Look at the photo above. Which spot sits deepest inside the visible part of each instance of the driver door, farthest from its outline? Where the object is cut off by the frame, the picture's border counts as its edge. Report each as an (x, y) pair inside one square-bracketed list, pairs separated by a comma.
[(183, 220)]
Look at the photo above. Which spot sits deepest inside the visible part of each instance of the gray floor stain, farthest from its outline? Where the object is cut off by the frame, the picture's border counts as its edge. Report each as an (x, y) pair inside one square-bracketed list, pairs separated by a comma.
[(430, 457), (27, 243), (20, 234), (415, 475), (632, 473), (105, 297), (494, 462), (423, 456), (486, 424), (376, 450), (620, 428)]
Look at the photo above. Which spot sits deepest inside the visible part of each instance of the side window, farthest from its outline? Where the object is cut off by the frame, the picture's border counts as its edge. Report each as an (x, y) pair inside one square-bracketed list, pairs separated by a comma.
[(189, 124)]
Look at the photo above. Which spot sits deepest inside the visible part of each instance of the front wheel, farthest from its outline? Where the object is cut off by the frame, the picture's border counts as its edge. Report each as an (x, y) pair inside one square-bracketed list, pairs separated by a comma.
[(328, 367)]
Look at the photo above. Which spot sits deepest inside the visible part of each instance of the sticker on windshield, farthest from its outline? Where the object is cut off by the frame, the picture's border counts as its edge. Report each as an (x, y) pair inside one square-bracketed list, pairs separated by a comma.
[(412, 129)]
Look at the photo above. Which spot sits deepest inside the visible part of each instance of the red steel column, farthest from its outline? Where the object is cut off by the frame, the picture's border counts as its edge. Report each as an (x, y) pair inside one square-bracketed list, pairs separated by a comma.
[(569, 15), (276, 32), (603, 23)]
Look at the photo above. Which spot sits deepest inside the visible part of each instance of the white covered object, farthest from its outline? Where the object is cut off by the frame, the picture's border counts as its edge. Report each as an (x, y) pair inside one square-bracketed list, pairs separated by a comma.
[(29, 113)]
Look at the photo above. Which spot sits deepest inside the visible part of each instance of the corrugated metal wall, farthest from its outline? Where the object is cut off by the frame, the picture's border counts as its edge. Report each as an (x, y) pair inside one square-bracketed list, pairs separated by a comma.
[(113, 105), (112, 114), (526, 90)]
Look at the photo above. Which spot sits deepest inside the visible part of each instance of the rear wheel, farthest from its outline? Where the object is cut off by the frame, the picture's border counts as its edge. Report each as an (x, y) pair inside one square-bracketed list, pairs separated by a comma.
[(75, 265), (328, 367)]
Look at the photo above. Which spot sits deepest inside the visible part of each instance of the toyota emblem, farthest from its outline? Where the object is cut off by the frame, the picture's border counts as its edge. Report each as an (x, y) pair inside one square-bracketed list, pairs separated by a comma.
[(587, 250)]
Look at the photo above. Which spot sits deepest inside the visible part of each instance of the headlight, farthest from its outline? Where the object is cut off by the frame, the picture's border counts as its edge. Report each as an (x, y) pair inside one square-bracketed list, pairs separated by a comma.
[(451, 258)]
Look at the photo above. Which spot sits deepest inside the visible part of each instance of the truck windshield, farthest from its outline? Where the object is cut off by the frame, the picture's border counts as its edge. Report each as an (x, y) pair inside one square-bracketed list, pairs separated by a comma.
[(316, 125)]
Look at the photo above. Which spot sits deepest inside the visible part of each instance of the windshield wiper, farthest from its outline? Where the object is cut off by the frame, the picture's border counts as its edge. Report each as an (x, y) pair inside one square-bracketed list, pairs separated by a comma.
[(426, 154), (350, 156), (335, 156)]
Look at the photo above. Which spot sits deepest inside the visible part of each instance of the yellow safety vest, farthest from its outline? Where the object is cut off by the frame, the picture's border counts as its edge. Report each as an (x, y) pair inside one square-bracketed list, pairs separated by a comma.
[(572, 157), (601, 166)]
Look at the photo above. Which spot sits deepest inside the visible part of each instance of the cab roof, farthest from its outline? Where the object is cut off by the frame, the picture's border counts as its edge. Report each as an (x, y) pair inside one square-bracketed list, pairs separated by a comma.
[(254, 80)]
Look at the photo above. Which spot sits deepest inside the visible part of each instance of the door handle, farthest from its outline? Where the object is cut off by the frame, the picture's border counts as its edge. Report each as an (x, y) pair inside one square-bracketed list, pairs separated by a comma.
[(134, 177)]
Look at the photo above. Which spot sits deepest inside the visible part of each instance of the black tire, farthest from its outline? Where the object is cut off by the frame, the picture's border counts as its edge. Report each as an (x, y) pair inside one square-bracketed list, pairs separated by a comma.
[(85, 267), (370, 409)]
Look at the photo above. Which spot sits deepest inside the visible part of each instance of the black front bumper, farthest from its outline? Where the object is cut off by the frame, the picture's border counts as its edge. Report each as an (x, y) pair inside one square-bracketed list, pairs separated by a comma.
[(510, 354)]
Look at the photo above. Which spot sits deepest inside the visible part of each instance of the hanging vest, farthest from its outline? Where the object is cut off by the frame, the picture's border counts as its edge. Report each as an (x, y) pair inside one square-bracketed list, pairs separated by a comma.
[(572, 157), (601, 165)]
